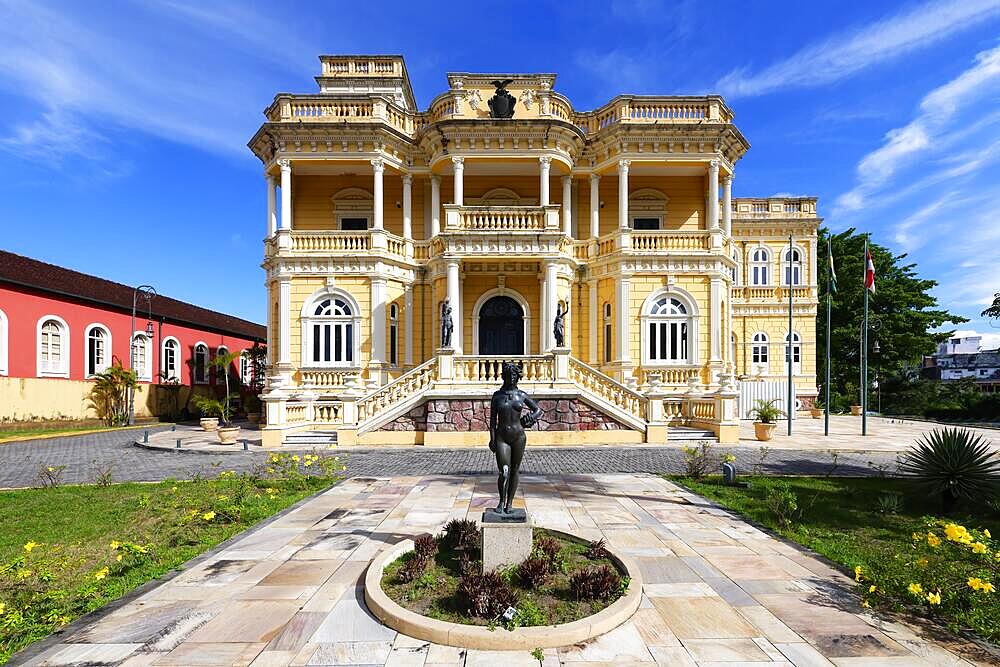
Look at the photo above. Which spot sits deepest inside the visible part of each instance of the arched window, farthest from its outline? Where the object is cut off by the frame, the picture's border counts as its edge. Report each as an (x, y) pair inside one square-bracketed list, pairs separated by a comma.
[(759, 353), (760, 266), (53, 347), (3, 342), (792, 266), (246, 368), (668, 328), (142, 362), (607, 333), (393, 334), (796, 351), (171, 359), (97, 353), (220, 371), (738, 269), (200, 363), (330, 326)]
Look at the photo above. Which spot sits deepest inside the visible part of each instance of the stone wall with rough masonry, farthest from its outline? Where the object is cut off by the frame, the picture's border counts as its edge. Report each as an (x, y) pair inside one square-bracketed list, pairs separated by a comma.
[(453, 415)]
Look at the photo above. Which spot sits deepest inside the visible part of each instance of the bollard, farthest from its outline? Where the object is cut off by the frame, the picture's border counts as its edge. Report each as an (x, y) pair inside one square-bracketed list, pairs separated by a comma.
[(178, 445), (173, 427), (145, 437), (245, 446)]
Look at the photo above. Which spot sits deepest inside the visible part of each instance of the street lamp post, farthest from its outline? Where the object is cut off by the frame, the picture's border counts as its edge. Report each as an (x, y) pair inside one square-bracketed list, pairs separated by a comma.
[(141, 292)]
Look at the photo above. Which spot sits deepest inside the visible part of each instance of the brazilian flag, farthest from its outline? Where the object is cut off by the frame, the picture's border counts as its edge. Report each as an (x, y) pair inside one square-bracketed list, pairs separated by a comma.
[(833, 271)]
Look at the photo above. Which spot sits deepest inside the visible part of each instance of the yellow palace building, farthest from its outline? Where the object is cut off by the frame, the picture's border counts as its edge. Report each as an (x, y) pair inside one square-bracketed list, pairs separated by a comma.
[(506, 206)]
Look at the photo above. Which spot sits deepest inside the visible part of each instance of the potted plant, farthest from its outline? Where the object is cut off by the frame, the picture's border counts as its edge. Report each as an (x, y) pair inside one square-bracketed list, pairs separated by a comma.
[(856, 410), (816, 411), (765, 414), (227, 432), (253, 408), (210, 410)]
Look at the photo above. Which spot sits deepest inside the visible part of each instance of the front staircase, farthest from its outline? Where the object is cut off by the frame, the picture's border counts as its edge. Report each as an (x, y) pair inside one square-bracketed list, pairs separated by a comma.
[(307, 418)]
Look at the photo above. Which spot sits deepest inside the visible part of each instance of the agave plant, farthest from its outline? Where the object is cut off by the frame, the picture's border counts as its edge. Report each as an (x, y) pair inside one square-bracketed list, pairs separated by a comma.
[(955, 464)]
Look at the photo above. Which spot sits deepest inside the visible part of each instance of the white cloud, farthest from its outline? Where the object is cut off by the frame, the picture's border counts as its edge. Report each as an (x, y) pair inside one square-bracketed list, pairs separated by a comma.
[(847, 53), (990, 339)]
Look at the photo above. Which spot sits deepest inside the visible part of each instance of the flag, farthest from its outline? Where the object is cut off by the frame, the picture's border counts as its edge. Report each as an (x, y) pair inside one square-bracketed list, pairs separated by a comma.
[(869, 271), (833, 270)]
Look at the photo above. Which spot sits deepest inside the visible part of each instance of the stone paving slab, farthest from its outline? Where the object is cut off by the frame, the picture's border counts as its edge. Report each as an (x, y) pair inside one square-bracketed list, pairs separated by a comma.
[(258, 602)]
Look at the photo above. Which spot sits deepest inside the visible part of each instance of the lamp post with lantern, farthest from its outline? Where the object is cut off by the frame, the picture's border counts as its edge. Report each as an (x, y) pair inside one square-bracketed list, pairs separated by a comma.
[(141, 292)]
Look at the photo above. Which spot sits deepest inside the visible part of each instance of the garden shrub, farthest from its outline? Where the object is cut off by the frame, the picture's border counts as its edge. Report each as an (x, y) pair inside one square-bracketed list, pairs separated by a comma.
[(462, 534), (783, 503), (534, 571), (425, 546), (698, 460), (486, 595), (597, 550), (548, 549), (953, 464), (596, 583), (413, 567)]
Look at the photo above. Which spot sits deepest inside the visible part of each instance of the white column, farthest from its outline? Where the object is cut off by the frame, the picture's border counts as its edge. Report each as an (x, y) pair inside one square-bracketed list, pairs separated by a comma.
[(623, 193), (407, 207), (455, 299), (544, 162), (550, 292), (272, 206), (410, 319), (378, 320), (286, 193), (567, 204), (435, 205), (595, 322), (543, 317), (378, 168), (459, 163), (285, 326), (713, 195), (727, 204), (716, 317), (623, 311), (595, 205)]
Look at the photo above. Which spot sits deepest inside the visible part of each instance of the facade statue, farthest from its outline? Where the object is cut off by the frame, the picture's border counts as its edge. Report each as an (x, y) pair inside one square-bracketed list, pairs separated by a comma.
[(507, 438), (502, 103), (559, 325), (447, 325)]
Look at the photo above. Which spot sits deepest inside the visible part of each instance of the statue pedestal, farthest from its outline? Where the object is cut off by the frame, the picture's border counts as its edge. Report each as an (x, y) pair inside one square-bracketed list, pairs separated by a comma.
[(506, 539)]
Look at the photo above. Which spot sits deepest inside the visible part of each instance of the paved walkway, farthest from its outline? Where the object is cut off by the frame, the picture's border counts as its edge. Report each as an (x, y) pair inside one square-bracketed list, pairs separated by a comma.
[(716, 590)]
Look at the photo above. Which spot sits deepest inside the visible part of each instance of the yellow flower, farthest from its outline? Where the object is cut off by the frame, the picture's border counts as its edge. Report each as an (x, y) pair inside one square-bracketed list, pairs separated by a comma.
[(115, 544), (916, 589), (31, 545), (173, 489), (956, 533), (922, 562), (974, 583), (934, 598), (2, 607), (308, 463), (208, 516), (270, 471), (917, 537), (871, 589), (865, 604), (986, 587), (933, 540), (119, 558), (857, 573), (100, 574), (978, 548), (223, 497), (295, 458), (986, 532), (24, 573)]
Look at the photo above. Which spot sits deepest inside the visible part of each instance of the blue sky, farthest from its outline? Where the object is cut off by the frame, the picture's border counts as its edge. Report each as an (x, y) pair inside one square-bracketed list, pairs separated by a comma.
[(123, 148)]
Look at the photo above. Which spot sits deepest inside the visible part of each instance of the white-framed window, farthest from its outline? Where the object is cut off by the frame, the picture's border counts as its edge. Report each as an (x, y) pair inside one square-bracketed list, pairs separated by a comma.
[(4, 332), (97, 350), (669, 330), (791, 266), (796, 352), (171, 357), (331, 324), (246, 368), (142, 360), (200, 363), (53, 347), (738, 269), (607, 333), (353, 209), (760, 266), (393, 334), (759, 353), (220, 372)]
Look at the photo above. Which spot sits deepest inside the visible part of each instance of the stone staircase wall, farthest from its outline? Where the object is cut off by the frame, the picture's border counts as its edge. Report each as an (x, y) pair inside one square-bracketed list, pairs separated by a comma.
[(463, 415)]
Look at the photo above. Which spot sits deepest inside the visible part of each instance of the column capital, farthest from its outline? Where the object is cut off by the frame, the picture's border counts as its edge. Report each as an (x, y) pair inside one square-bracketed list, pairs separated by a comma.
[(378, 164), (435, 179), (713, 165), (728, 178), (285, 164), (407, 179), (269, 177), (595, 178), (567, 179), (623, 166), (458, 161), (545, 160)]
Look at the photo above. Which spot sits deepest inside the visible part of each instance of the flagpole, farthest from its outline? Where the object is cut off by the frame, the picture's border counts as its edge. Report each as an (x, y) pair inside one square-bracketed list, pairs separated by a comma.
[(864, 349), (829, 295), (790, 406)]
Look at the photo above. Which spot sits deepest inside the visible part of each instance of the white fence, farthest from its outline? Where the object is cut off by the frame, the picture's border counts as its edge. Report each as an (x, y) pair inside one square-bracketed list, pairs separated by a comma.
[(753, 390)]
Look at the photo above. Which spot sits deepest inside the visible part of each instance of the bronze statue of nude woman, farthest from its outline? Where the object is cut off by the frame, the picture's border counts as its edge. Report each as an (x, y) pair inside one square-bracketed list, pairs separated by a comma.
[(507, 437)]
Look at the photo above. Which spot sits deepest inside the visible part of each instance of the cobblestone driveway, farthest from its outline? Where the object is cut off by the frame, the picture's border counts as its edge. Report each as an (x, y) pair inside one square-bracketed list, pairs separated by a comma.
[(84, 455)]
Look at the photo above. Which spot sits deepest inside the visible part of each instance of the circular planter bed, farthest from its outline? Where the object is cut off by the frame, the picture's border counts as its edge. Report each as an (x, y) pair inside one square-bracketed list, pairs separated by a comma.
[(562, 595)]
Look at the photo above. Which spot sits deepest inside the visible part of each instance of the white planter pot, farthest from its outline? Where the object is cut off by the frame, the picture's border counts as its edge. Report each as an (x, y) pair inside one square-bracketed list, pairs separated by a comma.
[(228, 434), (209, 423)]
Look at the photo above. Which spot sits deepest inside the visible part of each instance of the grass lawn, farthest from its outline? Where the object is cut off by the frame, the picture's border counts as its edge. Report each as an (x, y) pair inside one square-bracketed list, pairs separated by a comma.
[(30, 432), (856, 523), (67, 550)]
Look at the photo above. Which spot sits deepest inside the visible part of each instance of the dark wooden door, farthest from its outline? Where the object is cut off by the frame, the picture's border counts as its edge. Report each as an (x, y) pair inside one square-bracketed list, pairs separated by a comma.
[(501, 327)]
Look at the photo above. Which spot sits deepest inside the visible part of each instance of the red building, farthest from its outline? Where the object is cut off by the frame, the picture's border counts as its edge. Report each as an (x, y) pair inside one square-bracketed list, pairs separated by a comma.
[(63, 324)]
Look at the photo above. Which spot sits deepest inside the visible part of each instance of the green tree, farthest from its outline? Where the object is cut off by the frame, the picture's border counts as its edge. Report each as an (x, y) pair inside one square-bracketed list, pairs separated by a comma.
[(994, 310), (109, 394), (902, 314)]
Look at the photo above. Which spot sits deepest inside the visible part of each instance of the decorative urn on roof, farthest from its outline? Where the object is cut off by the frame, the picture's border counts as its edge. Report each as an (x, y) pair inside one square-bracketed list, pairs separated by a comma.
[(502, 102)]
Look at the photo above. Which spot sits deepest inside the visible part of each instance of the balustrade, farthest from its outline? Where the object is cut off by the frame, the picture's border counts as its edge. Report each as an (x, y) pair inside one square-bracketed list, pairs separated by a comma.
[(606, 388), (497, 218), (668, 241), (489, 370), (327, 413), (295, 414), (400, 389), (324, 378)]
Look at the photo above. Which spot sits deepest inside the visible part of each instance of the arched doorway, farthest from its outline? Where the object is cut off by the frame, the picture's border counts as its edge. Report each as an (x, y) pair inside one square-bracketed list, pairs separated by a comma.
[(501, 327)]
